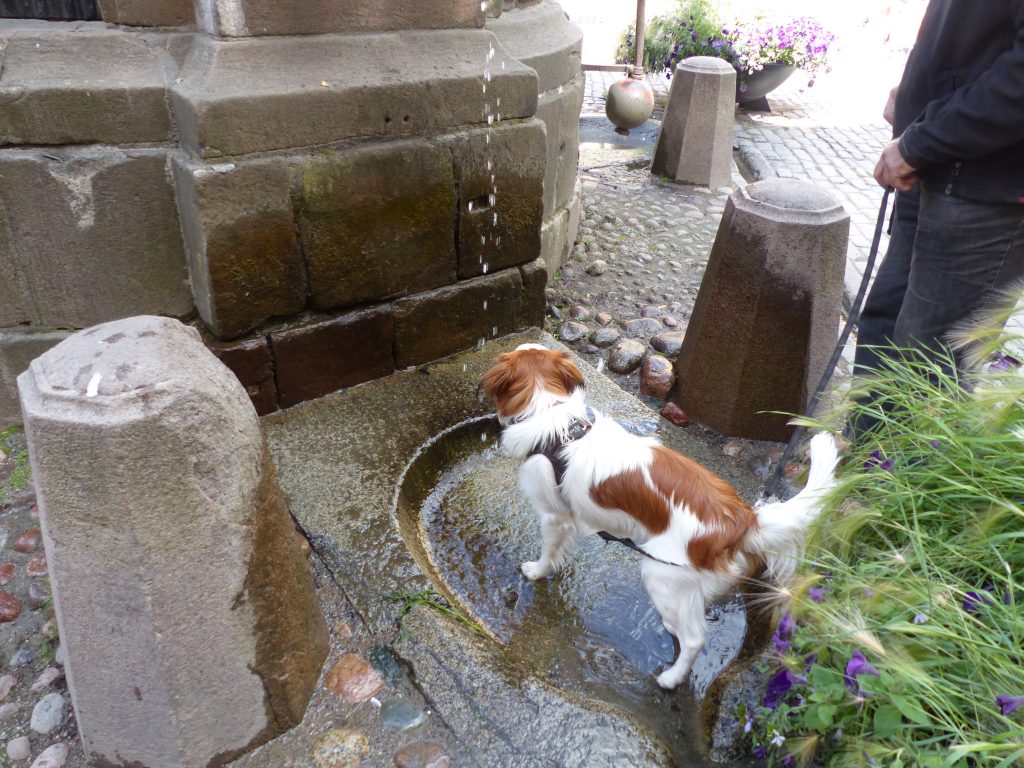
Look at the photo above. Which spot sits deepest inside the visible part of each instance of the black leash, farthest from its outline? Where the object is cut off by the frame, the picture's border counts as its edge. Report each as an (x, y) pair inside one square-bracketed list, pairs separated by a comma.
[(851, 320), (629, 543)]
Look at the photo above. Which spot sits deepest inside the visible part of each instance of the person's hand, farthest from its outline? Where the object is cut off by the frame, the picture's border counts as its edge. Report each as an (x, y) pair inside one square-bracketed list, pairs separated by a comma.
[(893, 171), (889, 112)]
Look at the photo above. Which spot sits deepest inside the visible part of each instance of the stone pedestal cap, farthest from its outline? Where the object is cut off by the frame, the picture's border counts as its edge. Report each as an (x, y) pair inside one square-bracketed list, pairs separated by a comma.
[(191, 626), (789, 201), (704, 65)]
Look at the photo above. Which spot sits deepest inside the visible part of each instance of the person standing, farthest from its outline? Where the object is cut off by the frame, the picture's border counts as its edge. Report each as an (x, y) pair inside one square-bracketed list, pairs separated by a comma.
[(957, 165)]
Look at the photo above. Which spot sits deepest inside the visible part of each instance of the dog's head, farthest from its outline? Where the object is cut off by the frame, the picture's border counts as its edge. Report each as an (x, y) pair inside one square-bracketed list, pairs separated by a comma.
[(519, 379)]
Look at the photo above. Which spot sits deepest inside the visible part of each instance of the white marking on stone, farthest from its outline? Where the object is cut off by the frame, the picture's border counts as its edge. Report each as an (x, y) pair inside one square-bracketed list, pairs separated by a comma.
[(94, 385), (76, 177), (232, 17)]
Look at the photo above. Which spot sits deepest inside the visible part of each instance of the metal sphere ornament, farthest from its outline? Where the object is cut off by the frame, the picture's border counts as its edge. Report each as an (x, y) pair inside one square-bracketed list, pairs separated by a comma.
[(629, 104)]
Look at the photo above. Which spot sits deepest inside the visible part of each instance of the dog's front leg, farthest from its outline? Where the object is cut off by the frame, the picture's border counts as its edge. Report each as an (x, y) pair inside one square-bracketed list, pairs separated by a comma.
[(558, 529)]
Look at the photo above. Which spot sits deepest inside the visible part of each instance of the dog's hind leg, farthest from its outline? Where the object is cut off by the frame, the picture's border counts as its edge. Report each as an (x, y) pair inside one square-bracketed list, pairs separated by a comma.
[(681, 604), (558, 529)]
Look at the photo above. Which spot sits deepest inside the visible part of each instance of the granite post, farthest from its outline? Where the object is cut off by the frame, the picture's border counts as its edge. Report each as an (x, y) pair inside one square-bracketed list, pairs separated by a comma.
[(187, 611), (766, 317), (695, 141)]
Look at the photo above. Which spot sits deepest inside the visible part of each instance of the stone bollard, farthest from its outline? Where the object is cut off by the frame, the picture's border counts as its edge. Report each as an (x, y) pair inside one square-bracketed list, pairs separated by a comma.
[(765, 320), (187, 612), (695, 142)]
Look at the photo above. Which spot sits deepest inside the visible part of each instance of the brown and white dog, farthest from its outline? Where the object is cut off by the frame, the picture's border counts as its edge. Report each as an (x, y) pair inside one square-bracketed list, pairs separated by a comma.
[(584, 473)]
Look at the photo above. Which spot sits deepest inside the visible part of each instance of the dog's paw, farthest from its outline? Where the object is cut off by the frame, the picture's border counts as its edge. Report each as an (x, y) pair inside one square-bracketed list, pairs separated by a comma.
[(533, 570), (670, 678)]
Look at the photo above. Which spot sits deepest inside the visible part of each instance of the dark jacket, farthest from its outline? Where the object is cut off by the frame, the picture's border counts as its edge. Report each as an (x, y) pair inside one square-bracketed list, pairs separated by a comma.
[(960, 105)]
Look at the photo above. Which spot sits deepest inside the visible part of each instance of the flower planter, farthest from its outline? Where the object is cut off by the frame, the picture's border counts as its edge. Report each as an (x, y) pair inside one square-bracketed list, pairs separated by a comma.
[(759, 84)]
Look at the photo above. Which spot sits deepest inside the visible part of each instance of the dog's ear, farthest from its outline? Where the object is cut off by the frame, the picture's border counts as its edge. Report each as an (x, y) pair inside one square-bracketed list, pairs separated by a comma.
[(568, 374), (497, 381)]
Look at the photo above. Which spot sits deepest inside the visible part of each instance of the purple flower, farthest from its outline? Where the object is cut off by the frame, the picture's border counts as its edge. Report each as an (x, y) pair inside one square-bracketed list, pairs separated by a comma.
[(780, 645), (789, 761), (1008, 704), (1004, 363), (749, 725), (868, 592), (787, 626), (760, 753), (858, 665), (779, 686), (974, 600), (817, 594), (920, 618), (887, 465), (935, 444)]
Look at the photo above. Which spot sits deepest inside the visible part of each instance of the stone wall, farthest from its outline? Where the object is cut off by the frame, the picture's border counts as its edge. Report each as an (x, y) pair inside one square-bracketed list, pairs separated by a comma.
[(308, 183)]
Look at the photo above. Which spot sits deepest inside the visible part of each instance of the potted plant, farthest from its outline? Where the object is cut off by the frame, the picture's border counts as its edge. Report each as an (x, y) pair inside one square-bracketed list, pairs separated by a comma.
[(763, 52)]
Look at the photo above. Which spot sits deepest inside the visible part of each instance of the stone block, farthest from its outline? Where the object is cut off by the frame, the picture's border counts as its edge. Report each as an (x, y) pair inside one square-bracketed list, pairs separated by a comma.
[(243, 256), (695, 141), (544, 39), (505, 232), (80, 84), (188, 616), (89, 235), (377, 221), (766, 317), (315, 359), (439, 323), (338, 87), (148, 13), (245, 18), (253, 364), (18, 347), (552, 242), (533, 302), (560, 111)]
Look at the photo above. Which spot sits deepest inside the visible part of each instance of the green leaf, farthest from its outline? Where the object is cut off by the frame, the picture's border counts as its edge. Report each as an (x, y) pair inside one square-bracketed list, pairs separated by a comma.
[(827, 713), (911, 710), (887, 721)]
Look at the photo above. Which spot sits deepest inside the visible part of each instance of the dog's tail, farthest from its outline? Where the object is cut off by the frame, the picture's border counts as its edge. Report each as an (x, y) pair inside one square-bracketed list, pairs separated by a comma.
[(779, 535)]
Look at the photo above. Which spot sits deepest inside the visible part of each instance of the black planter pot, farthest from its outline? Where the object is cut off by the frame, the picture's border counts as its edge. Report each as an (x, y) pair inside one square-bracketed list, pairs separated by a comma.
[(50, 10), (760, 83)]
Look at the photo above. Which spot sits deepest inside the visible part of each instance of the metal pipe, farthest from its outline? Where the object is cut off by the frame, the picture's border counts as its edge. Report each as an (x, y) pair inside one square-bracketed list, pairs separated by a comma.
[(641, 30)]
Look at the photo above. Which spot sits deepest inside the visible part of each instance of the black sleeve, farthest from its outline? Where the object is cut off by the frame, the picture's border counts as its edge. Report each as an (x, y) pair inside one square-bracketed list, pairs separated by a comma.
[(977, 119)]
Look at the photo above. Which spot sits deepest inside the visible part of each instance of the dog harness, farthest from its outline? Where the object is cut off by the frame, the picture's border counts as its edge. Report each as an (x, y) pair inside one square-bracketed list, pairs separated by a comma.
[(552, 449)]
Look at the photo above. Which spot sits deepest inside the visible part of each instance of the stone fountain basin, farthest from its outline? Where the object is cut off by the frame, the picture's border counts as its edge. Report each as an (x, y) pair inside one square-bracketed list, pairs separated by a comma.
[(401, 487)]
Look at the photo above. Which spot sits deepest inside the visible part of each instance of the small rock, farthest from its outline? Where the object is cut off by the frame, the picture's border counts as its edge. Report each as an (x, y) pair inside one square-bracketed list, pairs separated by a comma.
[(650, 311), (34, 512), (339, 748), (791, 470), (643, 326), (28, 541), (38, 593), (603, 318), (400, 716), (53, 756), (670, 321), (19, 749), (354, 679), (669, 342), (652, 224), (597, 267), (604, 337), (572, 331), (579, 312), (656, 376), (8, 710), (36, 566), (626, 355), (48, 714), (760, 465), (732, 447), (7, 683), (554, 311), (46, 678), (10, 607), (675, 414), (343, 630), (6, 574), (422, 754), (21, 658)]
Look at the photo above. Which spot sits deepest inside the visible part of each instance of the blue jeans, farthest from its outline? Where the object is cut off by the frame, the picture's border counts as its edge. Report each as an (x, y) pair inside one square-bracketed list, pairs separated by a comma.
[(948, 258)]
